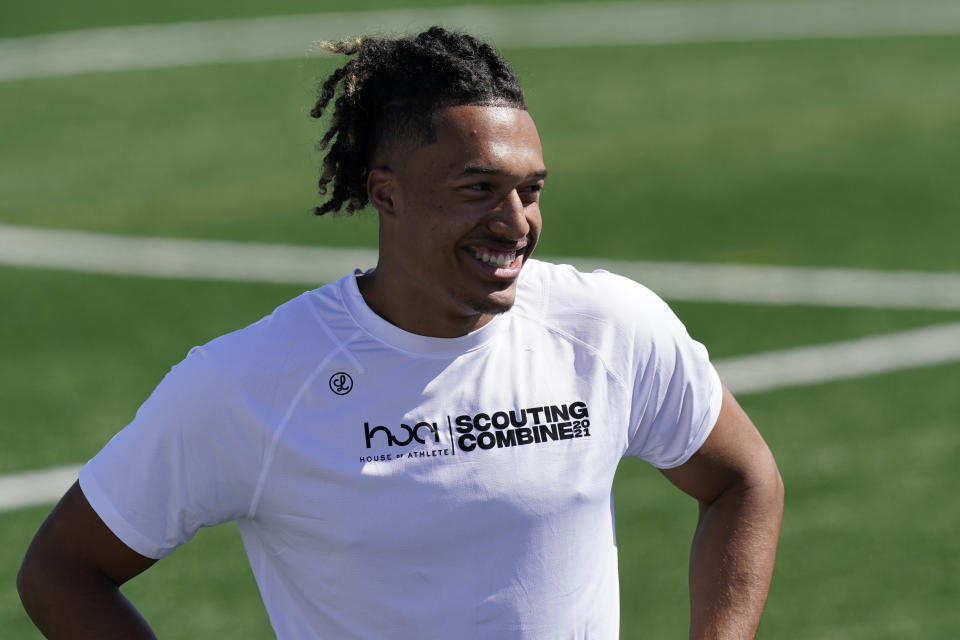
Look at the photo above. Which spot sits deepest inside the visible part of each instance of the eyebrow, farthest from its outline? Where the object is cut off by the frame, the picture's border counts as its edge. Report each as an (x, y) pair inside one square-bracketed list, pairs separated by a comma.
[(477, 169)]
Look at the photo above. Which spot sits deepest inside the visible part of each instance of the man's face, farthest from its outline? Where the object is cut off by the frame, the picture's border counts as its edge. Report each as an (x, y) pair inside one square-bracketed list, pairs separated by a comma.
[(463, 216)]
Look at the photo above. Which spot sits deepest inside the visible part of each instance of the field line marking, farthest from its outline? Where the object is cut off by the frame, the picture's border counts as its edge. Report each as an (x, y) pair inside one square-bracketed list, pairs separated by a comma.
[(31, 488), (177, 258), (523, 26), (767, 371), (926, 346), (253, 262)]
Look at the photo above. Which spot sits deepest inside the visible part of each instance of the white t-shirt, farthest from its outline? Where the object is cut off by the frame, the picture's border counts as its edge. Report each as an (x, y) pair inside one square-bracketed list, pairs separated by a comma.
[(390, 485)]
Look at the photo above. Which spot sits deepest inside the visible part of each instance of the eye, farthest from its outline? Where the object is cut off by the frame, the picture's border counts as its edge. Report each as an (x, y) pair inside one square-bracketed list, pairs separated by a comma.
[(531, 192), (480, 186)]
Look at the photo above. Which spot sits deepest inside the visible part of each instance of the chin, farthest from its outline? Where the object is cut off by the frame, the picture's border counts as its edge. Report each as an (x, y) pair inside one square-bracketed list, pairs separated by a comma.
[(496, 303)]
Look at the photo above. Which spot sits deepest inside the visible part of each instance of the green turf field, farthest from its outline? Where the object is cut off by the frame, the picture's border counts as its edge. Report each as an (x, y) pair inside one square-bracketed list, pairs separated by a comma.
[(838, 152)]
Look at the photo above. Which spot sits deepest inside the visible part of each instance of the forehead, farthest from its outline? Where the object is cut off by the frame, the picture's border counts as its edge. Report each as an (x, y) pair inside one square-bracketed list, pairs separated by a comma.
[(496, 138)]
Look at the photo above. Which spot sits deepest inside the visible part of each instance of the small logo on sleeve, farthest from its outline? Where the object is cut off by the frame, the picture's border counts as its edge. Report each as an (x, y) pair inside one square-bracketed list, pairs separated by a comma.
[(341, 383)]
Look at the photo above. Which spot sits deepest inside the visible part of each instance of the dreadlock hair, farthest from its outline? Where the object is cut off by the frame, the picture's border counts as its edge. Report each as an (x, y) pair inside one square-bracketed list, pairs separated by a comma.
[(389, 91)]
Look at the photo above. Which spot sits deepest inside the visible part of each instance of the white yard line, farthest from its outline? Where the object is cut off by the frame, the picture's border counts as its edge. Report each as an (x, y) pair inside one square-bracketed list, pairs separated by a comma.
[(177, 258), (939, 344), (31, 488), (744, 374), (252, 262), (552, 25), (758, 284)]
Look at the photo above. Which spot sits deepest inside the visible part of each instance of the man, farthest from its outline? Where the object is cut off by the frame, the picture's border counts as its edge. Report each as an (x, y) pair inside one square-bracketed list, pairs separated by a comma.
[(427, 449)]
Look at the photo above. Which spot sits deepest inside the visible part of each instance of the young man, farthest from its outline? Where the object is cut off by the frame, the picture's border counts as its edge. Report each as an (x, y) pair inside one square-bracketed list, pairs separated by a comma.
[(427, 449)]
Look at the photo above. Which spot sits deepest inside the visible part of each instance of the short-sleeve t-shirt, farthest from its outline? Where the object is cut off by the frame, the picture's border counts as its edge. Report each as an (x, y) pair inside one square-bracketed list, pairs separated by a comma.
[(388, 484)]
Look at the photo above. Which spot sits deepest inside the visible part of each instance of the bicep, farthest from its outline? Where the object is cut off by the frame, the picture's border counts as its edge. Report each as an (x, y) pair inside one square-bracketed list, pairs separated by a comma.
[(74, 538), (733, 456)]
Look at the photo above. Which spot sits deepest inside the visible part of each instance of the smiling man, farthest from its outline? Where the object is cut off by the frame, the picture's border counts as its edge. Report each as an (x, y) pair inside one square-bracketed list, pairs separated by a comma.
[(458, 219), (426, 449)]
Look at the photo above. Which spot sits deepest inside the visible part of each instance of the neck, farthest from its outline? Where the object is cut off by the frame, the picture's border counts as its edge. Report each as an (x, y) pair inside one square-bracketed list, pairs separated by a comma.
[(414, 315)]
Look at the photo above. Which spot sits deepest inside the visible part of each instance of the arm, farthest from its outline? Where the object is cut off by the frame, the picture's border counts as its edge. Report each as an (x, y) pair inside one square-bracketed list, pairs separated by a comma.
[(69, 579), (735, 479)]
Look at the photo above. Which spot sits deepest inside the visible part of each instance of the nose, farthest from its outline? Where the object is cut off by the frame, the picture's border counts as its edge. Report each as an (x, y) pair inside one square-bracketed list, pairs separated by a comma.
[(509, 221)]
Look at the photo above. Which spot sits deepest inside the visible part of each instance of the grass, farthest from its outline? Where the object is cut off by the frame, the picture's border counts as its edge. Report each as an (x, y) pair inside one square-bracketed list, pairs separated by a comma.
[(55, 15), (867, 549), (826, 153), (823, 153), (811, 153)]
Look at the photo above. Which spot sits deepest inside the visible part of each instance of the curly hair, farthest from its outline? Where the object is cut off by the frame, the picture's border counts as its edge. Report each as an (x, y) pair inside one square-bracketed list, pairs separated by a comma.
[(389, 91)]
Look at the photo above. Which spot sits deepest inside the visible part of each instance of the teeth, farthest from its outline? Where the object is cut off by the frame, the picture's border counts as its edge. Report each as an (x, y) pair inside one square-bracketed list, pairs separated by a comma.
[(499, 260)]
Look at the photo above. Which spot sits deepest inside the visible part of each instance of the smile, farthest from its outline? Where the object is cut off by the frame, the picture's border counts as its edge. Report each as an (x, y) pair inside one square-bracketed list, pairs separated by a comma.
[(494, 258), (503, 265)]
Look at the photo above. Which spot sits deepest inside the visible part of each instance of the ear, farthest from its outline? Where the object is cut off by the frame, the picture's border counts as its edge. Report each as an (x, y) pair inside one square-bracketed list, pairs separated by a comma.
[(382, 190)]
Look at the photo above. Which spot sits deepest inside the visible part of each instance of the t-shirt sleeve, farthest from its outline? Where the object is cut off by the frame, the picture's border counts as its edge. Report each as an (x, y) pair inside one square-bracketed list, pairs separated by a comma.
[(676, 392), (187, 460)]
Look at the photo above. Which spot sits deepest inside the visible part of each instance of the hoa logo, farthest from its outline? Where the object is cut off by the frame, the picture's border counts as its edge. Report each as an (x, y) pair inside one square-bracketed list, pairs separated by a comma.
[(401, 440), (341, 383)]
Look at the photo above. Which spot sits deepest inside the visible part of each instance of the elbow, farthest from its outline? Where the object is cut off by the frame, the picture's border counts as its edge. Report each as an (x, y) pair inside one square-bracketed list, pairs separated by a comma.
[(770, 483), (781, 490), (773, 492), (765, 479), (777, 481), (765, 488), (779, 493)]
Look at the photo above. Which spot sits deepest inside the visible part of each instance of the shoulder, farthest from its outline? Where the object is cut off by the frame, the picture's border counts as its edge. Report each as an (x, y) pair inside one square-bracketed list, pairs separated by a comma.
[(264, 339), (559, 293), (285, 342), (623, 322)]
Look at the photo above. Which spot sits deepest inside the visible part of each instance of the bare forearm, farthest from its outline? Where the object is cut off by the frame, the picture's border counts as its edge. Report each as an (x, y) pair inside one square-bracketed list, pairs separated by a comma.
[(79, 606), (731, 563)]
